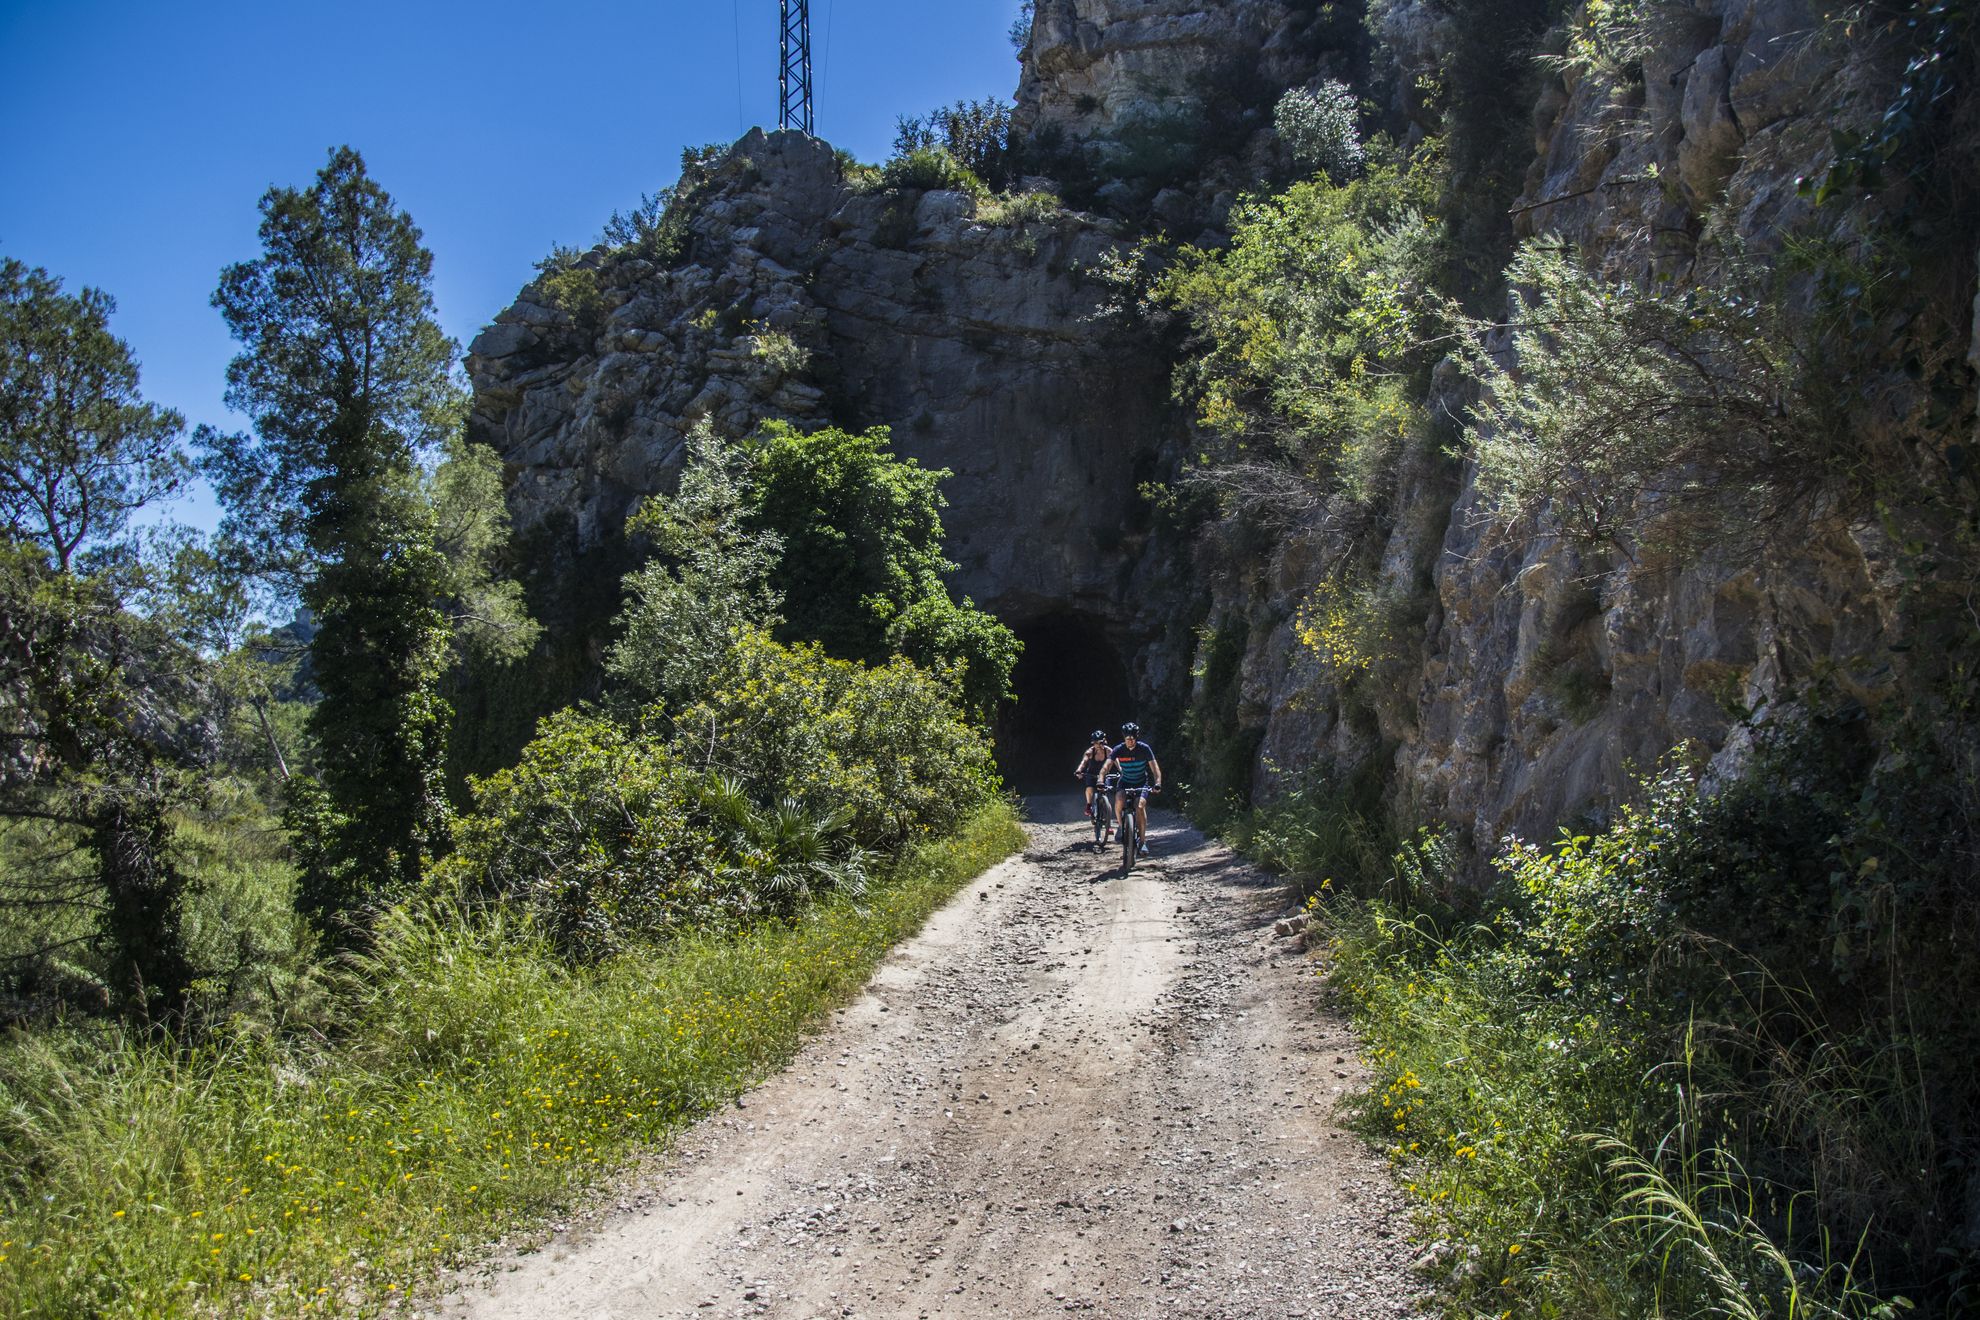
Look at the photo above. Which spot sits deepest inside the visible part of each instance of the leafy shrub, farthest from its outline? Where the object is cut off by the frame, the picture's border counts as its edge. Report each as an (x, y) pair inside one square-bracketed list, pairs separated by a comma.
[(1356, 630), (657, 228), (1306, 338), (592, 835), (779, 351), (975, 134), (936, 632), (885, 744), (932, 169), (572, 289), (1635, 412), (1734, 990), (1318, 127), (1020, 209), (861, 569), (1156, 147)]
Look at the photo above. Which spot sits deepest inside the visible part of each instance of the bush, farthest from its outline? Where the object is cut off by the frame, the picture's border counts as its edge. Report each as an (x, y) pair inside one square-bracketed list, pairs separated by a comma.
[(1318, 127), (933, 169), (478, 1080), (1707, 416), (1306, 339), (657, 229), (885, 744), (975, 134), (1020, 209), (1691, 1065), (861, 569), (592, 835)]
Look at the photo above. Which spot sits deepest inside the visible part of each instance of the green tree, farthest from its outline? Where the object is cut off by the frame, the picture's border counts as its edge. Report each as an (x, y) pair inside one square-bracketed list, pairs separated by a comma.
[(347, 377), (710, 583), (99, 709), (862, 570), (101, 725), (80, 449)]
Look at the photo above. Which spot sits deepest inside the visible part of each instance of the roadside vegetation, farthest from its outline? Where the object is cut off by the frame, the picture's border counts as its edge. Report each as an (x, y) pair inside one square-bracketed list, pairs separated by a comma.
[(1704, 1053), (289, 1025)]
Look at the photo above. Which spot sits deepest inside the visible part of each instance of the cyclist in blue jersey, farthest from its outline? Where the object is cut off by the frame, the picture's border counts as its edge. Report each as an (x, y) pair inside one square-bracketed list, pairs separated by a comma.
[(1135, 761)]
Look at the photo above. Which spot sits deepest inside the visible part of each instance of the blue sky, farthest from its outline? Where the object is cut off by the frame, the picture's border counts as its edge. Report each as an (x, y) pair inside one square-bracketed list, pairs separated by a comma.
[(135, 139)]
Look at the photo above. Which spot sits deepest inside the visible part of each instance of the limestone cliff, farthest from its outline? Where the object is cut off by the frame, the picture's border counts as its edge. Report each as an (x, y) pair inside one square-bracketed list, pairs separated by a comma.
[(798, 295)]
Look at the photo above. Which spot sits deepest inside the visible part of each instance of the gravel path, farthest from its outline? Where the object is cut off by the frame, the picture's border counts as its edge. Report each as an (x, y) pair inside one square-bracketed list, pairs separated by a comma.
[(1071, 1092)]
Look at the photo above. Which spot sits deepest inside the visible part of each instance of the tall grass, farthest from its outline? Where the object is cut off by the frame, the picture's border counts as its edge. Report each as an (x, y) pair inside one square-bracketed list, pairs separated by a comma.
[(480, 1081)]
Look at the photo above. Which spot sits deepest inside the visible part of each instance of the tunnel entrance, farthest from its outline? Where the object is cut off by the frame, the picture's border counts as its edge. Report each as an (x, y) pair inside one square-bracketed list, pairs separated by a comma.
[(1069, 682)]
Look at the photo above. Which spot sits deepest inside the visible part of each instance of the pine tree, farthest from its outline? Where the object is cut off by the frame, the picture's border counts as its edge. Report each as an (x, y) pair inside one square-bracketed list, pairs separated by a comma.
[(347, 377)]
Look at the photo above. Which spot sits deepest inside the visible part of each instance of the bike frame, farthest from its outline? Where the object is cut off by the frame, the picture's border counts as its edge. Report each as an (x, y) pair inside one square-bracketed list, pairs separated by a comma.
[(1130, 824)]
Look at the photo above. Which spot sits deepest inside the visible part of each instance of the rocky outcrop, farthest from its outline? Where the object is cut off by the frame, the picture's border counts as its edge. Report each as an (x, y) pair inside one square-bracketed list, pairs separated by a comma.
[(1096, 66), (1533, 681), (800, 298)]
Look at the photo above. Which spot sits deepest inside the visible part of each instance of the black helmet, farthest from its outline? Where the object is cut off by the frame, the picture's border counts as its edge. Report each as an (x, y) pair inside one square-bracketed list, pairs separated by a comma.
[(1099, 735), (1130, 727)]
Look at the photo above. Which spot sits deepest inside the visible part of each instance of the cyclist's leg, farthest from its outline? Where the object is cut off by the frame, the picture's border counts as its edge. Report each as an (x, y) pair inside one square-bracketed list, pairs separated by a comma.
[(1141, 822)]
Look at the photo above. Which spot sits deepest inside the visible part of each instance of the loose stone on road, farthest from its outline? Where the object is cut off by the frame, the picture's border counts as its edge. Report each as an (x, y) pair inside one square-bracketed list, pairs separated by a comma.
[(1073, 1091)]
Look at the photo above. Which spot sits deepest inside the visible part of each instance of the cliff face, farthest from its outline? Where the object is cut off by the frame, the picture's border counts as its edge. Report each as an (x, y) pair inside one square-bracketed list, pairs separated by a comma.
[(799, 298), (1547, 678), (1538, 678)]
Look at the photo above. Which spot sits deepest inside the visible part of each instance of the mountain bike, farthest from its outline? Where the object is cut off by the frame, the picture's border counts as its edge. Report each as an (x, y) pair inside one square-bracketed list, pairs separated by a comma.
[(1131, 825), (1103, 810)]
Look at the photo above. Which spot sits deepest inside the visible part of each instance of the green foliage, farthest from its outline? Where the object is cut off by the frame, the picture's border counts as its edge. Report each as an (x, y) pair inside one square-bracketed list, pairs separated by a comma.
[(1923, 130), (380, 727), (487, 617), (861, 569), (1318, 127), (1221, 745), (886, 745), (80, 449), (1687, 1065), (1324, 833), (478, 1080), (1717, 415), (861, 532), (936, 632), (101, 719), (347, 376), (1020, 32), (570, 286), (976, 135), (1157, 146), (687, 609), (929, 169), (344, 370), (1020, 209), (657, 229), (592, 834), (1305, 339)]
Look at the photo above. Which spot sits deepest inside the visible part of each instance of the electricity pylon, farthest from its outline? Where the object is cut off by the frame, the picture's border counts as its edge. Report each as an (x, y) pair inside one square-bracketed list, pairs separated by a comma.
[(794, 77)]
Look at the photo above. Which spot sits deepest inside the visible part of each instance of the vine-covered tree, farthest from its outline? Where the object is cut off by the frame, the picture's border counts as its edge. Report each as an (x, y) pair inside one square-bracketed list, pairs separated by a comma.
[(97, 734), (347, 377)]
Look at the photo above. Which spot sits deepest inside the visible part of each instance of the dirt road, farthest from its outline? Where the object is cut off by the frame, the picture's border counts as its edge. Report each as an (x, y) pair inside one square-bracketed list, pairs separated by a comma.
[(1071, 1092)]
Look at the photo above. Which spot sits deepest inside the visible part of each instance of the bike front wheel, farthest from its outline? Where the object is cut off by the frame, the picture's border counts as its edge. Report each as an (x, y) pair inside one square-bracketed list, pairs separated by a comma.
[(1130, 843)]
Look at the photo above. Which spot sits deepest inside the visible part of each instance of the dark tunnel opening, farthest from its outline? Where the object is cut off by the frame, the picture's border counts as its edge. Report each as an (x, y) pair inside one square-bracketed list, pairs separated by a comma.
[(1069, 682)]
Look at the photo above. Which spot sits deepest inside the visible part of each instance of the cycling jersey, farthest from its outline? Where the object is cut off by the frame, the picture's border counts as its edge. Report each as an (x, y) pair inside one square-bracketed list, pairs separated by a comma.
[(1134, 762), (1090, 768)]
